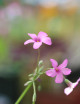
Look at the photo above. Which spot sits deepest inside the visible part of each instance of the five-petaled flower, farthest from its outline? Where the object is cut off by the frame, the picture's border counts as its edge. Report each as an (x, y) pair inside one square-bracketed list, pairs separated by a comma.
[(71, 86), (58, 71), (38, 40)]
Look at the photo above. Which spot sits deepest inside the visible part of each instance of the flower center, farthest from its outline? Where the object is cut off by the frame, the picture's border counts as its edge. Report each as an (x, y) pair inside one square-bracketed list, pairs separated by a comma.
[(37, 40), (57, 70)]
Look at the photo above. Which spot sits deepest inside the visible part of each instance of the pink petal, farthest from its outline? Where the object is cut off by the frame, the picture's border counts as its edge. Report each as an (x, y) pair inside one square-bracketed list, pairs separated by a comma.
[(47, 40), (66, 71), (59, 78), (33, 36), (51, 73), (42, 34), (36, 45), (28, 41), (54, 63), (78, 80), (64, 64), (73, 85), (68, 90)]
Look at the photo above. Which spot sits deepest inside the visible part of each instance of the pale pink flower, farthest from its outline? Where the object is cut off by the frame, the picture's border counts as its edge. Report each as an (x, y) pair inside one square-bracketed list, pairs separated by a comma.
[(38, 40), (58, 71), (2, 14), (13, 10), (71, 86)]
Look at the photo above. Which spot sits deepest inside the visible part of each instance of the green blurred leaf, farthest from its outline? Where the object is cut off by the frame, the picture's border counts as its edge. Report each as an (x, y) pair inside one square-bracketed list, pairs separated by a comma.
[(27, 83), (40, 62), (40, 69), (30, 75), (39, 87)]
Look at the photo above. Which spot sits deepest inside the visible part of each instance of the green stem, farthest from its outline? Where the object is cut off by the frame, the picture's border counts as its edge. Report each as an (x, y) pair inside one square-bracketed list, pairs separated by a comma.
[(34, 94), (33, 103), (38, 59), (23, 94)]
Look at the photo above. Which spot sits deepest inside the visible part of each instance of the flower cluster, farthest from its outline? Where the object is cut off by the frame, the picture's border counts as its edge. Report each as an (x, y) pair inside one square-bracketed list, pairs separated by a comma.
[(57, 71)]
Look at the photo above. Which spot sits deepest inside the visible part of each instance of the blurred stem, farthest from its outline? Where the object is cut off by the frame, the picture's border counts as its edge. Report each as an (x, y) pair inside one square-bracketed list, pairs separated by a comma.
[(34, 93), (38, 59), (33, 103), (23, 94)]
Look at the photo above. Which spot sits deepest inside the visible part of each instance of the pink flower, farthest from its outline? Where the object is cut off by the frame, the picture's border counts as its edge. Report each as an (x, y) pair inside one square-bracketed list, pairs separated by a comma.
[(38, 40), (58, 71), (71, 85), (13, 10)]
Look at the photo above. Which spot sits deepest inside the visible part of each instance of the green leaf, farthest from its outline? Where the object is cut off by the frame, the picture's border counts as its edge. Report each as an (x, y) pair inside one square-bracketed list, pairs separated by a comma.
[(41, 73), (30, 75), (40, 69), (39, 88), (40, 62), (27, 83), (35, 71)]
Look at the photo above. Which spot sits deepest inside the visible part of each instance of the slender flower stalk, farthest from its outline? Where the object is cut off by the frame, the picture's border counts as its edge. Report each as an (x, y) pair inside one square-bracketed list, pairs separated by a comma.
[(33, 103), (23, 93), (34, 93), (38, 59)]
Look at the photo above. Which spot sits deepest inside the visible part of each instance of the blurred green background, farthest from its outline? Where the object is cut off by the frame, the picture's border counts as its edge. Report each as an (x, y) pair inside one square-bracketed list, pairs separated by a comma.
[(60, 19)]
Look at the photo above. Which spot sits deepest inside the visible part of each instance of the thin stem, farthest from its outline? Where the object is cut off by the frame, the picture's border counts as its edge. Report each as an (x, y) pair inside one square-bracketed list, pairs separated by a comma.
[(23, 94), (38, 59), (33, 102), (34, 86), (34, 93)]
